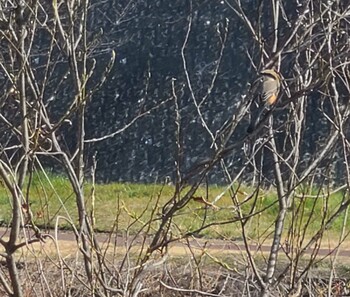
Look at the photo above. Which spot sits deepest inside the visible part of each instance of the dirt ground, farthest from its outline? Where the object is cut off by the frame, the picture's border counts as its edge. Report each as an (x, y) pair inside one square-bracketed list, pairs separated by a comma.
[(184, 265), (64, 243)]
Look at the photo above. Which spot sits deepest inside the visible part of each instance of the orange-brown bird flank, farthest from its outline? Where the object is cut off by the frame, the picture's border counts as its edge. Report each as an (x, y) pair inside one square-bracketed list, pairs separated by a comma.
[(272, 99)]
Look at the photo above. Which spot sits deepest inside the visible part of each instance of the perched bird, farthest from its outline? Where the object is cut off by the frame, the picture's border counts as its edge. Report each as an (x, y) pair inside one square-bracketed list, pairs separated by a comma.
[(269, 90)]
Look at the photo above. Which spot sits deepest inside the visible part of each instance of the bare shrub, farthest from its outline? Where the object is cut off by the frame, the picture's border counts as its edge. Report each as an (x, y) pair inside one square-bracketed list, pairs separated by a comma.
[(50, 76)]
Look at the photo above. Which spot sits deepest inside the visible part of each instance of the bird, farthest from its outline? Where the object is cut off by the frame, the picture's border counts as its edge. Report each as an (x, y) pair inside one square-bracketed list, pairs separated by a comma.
[(270, 85)]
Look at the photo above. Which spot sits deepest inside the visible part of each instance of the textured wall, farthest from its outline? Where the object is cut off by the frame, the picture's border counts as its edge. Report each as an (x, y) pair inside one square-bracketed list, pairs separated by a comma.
[(147, 37)]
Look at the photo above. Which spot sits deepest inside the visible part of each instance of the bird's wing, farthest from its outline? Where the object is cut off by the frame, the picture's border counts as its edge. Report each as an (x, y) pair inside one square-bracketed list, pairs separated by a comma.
[(270, 88)]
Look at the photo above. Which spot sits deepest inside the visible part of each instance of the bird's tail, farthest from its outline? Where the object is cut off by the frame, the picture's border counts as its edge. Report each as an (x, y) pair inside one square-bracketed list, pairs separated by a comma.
[(255, 122)]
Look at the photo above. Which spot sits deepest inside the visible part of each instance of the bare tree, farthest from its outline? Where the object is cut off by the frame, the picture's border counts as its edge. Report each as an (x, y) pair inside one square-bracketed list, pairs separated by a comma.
[(34, 133), (50, 73)]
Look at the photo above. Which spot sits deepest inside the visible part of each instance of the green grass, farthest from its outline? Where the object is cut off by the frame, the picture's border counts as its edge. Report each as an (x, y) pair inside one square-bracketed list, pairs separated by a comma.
[(126, 206)]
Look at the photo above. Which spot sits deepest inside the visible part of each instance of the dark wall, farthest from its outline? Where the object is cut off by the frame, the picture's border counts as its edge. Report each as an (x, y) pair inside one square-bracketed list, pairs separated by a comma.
[(148, 38), (148, 45)]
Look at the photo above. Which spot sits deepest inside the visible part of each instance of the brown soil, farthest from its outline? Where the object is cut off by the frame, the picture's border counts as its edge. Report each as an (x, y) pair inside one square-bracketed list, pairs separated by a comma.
[(66, 244)]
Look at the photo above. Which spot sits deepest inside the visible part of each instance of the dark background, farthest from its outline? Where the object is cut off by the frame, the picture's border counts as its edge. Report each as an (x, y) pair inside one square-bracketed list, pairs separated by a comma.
[(147, 37), (148, 45), (148, 41)]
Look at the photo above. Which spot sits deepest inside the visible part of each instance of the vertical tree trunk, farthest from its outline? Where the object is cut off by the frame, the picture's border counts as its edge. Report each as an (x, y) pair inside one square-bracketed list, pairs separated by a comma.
[(21, 60)]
